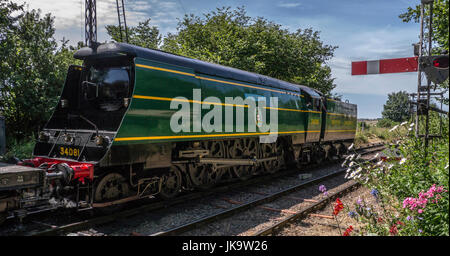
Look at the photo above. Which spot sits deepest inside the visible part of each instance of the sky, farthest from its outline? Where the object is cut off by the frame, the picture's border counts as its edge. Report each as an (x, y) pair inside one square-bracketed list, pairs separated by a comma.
[(362, 30)]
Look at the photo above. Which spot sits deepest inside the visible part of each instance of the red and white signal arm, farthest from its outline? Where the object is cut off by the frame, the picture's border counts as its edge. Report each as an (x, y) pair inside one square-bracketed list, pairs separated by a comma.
[(384, 66)]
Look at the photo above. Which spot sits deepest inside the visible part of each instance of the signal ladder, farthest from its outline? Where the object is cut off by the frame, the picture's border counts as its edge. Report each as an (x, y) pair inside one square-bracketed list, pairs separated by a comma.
[(122, 18)]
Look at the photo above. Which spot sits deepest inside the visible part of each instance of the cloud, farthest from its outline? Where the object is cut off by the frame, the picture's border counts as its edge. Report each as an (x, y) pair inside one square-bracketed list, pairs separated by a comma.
[(69, 15), (288, 5)]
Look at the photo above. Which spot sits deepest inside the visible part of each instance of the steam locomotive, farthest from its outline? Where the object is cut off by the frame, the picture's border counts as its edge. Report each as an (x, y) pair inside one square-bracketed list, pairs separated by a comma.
[(111, 138)]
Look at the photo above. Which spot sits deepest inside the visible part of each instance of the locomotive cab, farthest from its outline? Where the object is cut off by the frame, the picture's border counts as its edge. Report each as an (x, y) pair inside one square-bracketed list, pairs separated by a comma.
[(93, 102)]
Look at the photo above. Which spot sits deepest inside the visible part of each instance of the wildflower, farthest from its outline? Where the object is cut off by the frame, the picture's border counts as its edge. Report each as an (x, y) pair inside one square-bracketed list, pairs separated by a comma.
[(393, 230), (359, 201), (352, 214), (403, 123), (446, 166), (348, 231), (374, 193), (351, 146), (420, 231), (376, 156), (403, 160), (380, 220), (351, 164), (400, 223), (379, 163), (352, 175), (394, 128), (323, 189), (390, 166), (411, 125), (410, 129), (420, 211), (409, 218), (338, 206)]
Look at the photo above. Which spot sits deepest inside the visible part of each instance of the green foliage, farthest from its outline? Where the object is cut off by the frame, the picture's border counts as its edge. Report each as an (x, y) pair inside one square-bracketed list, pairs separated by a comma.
[(34, 73), (385, 123), (142, 35), (231, 38), (397, 107), (21, 149), (411, 178), (440, 21)]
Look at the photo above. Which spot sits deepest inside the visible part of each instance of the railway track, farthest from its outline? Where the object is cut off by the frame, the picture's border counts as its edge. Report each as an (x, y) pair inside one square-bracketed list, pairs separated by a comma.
[(90, 222)]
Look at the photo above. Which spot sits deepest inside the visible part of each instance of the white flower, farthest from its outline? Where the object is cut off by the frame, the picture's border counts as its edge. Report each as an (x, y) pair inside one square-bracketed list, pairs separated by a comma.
[(379, 163), (446, 167), (358, 176), (403, 123), (351, 157), (358, 157), (395, 127), (351, 164), (411, 125), (390, 166), (410, 129), (352, 175), (348, 170), (403, 160), (358, 170), (343, 164), (351, 146)]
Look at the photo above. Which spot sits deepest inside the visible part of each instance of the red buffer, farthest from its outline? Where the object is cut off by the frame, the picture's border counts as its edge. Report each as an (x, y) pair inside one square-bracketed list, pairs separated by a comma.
[(385, 66)]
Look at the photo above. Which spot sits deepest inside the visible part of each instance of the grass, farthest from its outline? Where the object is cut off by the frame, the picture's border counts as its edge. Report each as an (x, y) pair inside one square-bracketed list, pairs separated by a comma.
[(373, 133)]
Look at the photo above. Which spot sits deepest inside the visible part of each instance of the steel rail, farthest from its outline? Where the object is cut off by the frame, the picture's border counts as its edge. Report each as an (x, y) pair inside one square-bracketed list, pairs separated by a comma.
[(242, 207), (182, 199), (304, 213)]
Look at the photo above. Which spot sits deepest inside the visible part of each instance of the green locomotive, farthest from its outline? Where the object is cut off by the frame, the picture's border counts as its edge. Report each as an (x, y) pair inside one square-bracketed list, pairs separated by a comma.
[(111, 138)]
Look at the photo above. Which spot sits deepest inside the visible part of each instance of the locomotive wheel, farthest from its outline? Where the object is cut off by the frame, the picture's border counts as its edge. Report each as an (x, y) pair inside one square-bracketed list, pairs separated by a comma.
[(332, 152), (111, 187), (319, 154), (171, 184), (281, 154), (2, 218), (343, 149), (216, 150), (241, 149), (269, 150), (202, 176)]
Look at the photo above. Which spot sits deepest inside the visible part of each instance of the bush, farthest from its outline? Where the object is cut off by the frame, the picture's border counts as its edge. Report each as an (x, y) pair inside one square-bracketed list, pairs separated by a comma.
[(20, 149), (385, 123), (412, 190)]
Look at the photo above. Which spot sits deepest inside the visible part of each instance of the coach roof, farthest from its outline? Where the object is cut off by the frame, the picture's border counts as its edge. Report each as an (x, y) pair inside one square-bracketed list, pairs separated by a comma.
[(201, 67)]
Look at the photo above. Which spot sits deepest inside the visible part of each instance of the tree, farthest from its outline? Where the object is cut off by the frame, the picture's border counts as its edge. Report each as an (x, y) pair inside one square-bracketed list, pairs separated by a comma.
[(440, 22), (397, 107), (33, 68), (231, 38), (142, 35)]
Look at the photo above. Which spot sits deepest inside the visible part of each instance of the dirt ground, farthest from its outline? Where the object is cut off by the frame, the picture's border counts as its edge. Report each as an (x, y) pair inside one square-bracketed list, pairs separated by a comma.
[(317, 226)]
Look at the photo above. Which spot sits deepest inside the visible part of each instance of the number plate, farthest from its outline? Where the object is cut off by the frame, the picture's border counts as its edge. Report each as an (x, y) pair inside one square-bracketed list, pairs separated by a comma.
[(67, 151)]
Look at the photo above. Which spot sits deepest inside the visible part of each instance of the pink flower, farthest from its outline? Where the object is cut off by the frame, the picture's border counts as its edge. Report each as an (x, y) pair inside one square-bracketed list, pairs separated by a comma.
[(420, 211)]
